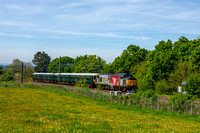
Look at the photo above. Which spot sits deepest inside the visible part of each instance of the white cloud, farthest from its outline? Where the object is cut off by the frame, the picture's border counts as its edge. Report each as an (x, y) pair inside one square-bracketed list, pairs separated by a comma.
[(15, 23), (23, 9), (108, 35), (16, 35)]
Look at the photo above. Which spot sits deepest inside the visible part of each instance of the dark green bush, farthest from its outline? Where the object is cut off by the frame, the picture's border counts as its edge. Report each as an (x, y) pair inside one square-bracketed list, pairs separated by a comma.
[(193, 84), (6, 77), (162, 87), (181, 102), (149, 93)]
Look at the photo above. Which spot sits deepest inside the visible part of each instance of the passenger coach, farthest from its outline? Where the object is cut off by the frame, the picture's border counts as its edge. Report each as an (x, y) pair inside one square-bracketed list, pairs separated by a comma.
[(66, 78)]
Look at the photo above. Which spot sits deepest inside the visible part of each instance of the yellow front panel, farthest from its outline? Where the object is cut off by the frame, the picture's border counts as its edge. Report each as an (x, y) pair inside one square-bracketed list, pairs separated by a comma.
[(131, 82)]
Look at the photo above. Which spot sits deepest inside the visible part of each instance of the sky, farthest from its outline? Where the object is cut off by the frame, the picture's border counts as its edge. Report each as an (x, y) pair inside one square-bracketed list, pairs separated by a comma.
[(101, 27)]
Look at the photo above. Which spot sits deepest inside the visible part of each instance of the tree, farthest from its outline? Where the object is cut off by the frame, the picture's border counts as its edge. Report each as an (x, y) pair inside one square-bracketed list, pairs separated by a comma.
[(29, 70), (182, 49), (41, 60), (140, 73), (108, 68), (5, 74), (66, 64), (87, 64), (130, 57), (161, 61), (1, 69), (195, 58), (16, 65), (180, 74), (193, 84)]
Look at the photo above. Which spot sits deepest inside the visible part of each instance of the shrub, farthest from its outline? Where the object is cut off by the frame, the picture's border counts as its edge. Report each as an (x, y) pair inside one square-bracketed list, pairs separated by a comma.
[(181, 102), (161, 87), (143, 85), (149, 93), (99, 87), (193, 85), (6, 77)]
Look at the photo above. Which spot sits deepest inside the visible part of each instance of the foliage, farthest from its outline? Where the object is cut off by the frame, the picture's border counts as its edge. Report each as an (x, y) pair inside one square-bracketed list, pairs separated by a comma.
[(161, 61), (188, 50), (81, 83), (7, 76), (16, 69), (29, 70), (143, 85), (1, 69), (130, 57), (182, 49), (140, 70), (180, 74), (181, 102), (87, 64), (140, 73), (193, 84), (99, 88), (108, 68), (16, 65), (66, 64), (41, 60), (162, 87), (149, 93)]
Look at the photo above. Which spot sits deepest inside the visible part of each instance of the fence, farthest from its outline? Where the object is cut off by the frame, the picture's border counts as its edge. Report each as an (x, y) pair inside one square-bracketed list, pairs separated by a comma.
[(186, 107)]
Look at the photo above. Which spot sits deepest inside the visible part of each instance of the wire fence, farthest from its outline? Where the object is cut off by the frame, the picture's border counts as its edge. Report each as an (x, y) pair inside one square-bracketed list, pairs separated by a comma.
[(185, 107)]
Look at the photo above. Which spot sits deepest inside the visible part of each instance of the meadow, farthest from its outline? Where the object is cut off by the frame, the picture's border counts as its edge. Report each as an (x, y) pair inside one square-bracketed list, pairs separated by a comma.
[(25, 109)]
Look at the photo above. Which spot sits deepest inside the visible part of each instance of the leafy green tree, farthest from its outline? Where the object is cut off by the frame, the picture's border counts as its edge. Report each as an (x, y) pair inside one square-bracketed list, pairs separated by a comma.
[(195, 58), (140, 73), (29, 70), (130, 57), (188, 50), (41, 60), (87, 64), (180, 74), (108, 68), (5, 74), (162, 87), (182, 49), (161, 61), (181, 102), (1, 69), (193, 84), (66, 64), (16, 65)]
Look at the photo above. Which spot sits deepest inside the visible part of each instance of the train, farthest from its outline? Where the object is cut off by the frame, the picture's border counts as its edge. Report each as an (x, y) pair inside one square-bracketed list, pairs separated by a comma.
[(119, 81)]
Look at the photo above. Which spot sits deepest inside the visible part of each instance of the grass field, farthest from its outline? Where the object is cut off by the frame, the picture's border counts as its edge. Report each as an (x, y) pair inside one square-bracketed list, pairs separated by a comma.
[(45, 110)]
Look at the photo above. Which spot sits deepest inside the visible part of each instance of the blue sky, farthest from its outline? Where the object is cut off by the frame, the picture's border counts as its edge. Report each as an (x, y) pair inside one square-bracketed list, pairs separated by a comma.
[(102, 27)]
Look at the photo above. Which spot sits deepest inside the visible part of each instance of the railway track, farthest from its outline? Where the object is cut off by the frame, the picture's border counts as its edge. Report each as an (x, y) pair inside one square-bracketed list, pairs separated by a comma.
[(161, 98), (66, 85)]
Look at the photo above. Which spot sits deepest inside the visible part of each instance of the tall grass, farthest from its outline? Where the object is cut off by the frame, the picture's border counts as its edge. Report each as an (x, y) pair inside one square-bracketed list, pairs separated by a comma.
[(32, 109)]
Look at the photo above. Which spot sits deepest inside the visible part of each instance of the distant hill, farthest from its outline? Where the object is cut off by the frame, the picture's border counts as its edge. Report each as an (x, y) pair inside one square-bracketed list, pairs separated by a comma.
[(4, 64)]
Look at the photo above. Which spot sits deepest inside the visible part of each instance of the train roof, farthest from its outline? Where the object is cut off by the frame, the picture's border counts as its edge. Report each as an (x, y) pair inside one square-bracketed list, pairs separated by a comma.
[(79, 74), (122, 75), (72, 74)]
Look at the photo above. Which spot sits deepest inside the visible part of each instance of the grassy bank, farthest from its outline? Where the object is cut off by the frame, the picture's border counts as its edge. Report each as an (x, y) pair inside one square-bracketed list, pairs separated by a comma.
[(46, 110)]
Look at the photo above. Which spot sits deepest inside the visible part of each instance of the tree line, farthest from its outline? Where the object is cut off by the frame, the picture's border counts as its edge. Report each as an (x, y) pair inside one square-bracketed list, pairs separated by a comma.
[(159, 71)]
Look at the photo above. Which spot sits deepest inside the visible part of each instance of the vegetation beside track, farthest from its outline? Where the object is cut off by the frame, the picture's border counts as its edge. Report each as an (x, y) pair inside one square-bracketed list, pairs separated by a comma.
[(25, 109)]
